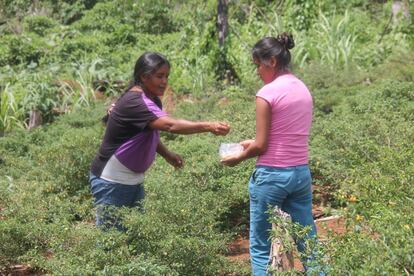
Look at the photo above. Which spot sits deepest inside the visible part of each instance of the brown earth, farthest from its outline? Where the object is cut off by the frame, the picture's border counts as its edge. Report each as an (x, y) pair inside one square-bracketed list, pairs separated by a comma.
[(335, 225), (21, 270)]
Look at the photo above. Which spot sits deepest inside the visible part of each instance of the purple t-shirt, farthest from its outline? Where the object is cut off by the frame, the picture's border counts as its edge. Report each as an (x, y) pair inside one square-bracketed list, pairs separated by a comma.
[(127, 134)]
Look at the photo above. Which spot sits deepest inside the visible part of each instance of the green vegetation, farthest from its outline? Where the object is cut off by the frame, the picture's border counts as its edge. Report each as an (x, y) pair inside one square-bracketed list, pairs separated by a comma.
[(55, 55)]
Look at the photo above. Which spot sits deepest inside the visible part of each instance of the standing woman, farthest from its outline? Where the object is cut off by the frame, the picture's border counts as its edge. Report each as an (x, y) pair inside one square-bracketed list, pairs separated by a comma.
[(132, 140), (283, 122)]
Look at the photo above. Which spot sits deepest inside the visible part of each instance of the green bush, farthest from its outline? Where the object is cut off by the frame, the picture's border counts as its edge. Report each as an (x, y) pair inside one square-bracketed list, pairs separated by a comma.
[(363, 148), (39, 25), (361, 140), (77, 46), (23, 49)]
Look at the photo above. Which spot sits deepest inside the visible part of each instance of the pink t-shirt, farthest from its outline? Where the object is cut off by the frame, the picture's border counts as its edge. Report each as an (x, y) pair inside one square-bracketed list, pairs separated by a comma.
[(291, 120)]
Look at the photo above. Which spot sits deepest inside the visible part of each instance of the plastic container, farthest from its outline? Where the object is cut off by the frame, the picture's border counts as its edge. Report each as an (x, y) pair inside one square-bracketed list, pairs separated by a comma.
[(228, 149)]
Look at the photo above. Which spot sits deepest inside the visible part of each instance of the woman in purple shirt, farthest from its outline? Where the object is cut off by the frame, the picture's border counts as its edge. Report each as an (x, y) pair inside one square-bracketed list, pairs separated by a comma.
[(283, 121), (132, 140)]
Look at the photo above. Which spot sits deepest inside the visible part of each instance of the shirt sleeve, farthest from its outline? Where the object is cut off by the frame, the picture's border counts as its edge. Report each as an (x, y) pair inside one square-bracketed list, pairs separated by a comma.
[(266, 93), (154, 106), (138, 111)]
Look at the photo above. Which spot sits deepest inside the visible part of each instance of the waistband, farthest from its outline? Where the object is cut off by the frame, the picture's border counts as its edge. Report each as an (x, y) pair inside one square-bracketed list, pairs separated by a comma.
[(298, 167)]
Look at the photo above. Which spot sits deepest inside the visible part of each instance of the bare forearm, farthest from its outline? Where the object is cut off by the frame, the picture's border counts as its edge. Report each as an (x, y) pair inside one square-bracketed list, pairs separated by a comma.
[(253, 150), (180, 126), (171, 157), (263, 118), (162, 150)]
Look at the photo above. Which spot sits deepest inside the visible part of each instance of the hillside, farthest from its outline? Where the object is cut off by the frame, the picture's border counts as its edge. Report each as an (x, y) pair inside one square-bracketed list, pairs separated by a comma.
[(68, 60)]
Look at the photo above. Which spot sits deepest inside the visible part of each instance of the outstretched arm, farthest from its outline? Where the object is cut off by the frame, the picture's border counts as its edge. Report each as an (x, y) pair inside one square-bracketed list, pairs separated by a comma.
[(253, 148), (180, 126)]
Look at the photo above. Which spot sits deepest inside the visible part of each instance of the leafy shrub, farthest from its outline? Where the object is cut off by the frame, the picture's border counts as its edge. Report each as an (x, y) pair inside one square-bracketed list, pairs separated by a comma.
[(123, 34), (361, 142), (399, 66), (104, 17), (150, 18), (318, 75), (24, 49), (302, 12), (77, 46), (38, 24), (41, 96), (364, 147), (13, 8), (69, 167), (144, 16)]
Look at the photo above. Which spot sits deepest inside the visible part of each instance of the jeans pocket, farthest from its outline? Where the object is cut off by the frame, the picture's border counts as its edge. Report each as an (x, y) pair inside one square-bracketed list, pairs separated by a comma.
[(253, 177), (280, 178), (252, 184), (261, 176)]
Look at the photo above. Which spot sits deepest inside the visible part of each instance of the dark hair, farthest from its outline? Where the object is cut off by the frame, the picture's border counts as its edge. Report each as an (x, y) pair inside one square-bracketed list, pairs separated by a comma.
[(147, 64), (277, 47)]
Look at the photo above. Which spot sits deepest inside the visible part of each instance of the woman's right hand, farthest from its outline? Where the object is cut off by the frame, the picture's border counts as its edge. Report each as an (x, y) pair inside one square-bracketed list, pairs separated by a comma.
[(246, 143), (219, 128), (109, 111)]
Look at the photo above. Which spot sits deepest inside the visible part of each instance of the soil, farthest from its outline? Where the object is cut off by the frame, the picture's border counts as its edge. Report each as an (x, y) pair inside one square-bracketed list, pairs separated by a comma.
[(334, 225), (21, 270)]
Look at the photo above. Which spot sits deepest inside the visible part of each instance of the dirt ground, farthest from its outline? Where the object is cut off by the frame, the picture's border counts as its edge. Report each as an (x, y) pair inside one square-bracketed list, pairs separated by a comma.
[(239, 249)]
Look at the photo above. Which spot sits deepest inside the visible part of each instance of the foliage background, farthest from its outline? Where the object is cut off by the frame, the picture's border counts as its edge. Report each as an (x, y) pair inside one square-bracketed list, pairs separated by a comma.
[(53, 56)]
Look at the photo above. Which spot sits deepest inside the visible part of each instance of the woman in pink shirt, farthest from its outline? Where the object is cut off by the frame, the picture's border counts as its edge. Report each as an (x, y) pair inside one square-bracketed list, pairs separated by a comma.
[(283, 120)]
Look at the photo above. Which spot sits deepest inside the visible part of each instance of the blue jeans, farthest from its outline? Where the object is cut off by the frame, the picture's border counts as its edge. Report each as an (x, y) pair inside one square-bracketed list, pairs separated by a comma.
[(288, 188), (110, 195)]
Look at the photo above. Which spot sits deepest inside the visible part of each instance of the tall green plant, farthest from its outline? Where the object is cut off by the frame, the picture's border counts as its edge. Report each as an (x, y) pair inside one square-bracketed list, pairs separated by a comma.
[(334, 44), (41, 95), (10, 114), (80, 90)]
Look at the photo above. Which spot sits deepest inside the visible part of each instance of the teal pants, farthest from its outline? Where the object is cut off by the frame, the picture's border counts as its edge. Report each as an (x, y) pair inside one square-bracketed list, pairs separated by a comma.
[(288, 188)]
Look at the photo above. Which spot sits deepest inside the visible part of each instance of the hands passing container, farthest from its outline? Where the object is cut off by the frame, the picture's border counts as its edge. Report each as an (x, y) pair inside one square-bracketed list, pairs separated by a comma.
[(228, 149)]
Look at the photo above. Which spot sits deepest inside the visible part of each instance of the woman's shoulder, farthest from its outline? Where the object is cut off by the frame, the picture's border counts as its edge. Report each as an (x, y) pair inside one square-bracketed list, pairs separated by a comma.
[(287, 81), (280, 86), (130, 100), (273, 86), (136, 89)]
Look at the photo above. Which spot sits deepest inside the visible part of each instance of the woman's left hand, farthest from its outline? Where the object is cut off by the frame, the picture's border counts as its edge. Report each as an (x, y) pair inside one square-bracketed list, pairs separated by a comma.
[(232, 160), (175, 160)]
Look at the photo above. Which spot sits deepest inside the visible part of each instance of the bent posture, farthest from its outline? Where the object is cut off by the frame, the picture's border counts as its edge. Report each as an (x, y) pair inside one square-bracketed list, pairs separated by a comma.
[(132, 140)]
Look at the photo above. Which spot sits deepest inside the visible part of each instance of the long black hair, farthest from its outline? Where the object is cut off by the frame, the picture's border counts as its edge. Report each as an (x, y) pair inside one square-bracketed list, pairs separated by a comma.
[(277, 47)]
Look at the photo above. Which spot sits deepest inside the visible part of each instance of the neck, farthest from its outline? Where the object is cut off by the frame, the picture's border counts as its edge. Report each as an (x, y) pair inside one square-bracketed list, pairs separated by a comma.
[(148, 94), (136, 88), (279, 73), (282, 72)]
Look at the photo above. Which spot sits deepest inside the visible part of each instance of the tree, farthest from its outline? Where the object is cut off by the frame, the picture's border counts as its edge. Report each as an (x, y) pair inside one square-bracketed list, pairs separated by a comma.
[(222, 22), (224, 69)]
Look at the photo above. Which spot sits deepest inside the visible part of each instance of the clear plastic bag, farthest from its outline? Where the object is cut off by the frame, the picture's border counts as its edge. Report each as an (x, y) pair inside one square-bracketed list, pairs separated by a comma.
[(228, 149)]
